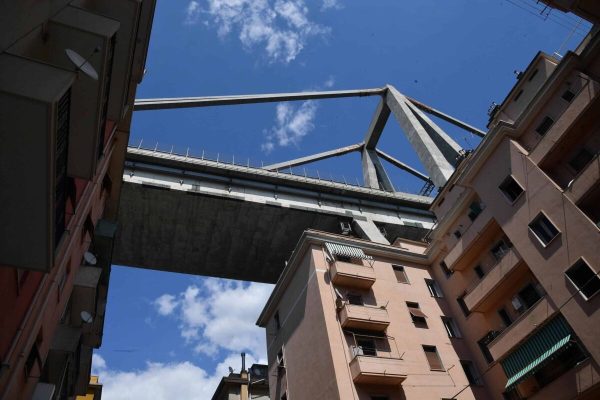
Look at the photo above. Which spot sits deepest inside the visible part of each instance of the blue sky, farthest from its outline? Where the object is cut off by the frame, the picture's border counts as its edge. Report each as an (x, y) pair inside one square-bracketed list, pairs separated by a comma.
[(173, 336)]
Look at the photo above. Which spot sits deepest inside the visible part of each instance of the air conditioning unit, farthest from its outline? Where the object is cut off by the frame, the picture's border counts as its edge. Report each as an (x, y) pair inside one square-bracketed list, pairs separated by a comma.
[(127, 12), (91, 38), (35, 111)]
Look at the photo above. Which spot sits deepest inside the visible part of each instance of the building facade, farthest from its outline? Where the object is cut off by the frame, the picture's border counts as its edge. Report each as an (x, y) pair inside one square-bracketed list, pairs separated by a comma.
[(248, 384), (354, 319), (498, 302), (68, 76)]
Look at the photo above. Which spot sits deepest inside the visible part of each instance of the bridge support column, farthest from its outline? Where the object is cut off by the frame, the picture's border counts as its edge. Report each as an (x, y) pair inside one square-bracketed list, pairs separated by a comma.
[(368, 230)]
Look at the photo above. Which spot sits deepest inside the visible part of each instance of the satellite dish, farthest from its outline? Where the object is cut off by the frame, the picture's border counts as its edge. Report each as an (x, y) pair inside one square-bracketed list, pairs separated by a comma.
[(82, 64), (90, 258), (86, 317)]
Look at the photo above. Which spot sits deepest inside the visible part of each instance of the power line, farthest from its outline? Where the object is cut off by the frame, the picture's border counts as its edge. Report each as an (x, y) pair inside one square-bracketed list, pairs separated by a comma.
[(549, 17)]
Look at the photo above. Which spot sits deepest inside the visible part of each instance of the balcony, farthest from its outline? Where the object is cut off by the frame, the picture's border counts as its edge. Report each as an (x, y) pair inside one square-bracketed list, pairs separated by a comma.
[(372, 318), (352, 275), (376, 361), (484, 292), (521, 328), (584, 181), (478, 234)]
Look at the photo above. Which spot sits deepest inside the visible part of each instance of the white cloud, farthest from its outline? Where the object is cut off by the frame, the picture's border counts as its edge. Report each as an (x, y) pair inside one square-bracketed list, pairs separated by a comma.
[(192, 13), (329, 82), (219, 314), (158, 381), (281, 27), (165, 304), (328, 4), (292, 123)]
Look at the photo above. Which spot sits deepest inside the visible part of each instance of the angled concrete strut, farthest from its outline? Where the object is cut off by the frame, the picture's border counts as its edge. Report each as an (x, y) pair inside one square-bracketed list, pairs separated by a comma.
[(437, 151)]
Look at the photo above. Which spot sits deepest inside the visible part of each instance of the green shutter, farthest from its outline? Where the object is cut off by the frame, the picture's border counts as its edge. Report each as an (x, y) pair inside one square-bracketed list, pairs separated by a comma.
[(536, 351)]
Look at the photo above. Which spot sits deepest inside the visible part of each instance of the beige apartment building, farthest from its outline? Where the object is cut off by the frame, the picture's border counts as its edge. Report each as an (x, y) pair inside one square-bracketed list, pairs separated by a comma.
[(498, 301)]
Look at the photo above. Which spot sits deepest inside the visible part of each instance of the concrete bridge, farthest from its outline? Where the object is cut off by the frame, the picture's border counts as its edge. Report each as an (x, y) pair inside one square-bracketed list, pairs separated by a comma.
[(206, 217)]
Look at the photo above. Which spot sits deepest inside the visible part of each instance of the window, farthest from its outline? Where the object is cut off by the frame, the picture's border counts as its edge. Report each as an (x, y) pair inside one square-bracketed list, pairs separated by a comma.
[(284, 396), (499, 250), (463, 306), (470, 372), (445, 269), (584, 279), (529, 296), (568, 95), (433, 287), (379, 398), (355, 299), (417, 316), (483, 346), (511, 188), (400, 273), (518, 95), (533, 74), (504, 317), (543, 229), (475, 208), (580, 160), (32, 358), (544, 126), (433, 358), (512, 394), (277, 320), (457, 234), (366, 346), (280, 359), (451, 327), (479, 271)]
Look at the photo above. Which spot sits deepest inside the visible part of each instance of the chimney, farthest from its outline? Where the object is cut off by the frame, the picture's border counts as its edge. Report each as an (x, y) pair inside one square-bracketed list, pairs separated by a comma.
[(243, 361)]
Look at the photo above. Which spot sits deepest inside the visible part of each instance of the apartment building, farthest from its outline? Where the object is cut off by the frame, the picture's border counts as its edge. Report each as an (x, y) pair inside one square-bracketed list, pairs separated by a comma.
[(354, 319), (68, 76), (518, 234), (499, 301), (252, 383)]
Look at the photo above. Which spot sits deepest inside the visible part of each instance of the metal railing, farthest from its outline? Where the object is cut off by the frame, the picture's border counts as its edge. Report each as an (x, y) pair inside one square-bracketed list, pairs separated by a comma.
[(246, 162), (373, 346)]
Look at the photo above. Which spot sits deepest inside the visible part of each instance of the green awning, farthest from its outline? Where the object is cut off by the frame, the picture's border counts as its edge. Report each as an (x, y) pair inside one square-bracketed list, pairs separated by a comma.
[(536, 351)]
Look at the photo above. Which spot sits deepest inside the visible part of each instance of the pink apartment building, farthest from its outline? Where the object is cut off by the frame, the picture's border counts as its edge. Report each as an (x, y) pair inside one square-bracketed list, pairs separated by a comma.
[(499, 301)]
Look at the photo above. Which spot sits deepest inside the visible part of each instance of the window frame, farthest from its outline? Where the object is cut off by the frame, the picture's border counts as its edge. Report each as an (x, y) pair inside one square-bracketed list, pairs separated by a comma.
[(475, 376), (417, 320), (540, 216), (451, 325), (580, 152), (581, 260), (434, 288), (400, 268), (503, 185), (544, 126), (437, 354)]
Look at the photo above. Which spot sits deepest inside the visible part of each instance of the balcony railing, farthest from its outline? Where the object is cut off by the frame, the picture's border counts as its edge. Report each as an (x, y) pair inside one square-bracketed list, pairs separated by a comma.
[(521, 328), (352, 275), (482, 289), (376, 360), (480, 231), (368, 317)]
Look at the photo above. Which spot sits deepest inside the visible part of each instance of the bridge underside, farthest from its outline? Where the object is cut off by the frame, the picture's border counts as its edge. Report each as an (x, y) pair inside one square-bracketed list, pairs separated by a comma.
[(219, 220)]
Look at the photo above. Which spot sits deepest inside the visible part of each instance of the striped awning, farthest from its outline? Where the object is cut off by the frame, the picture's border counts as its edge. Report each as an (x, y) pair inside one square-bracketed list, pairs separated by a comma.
[(346, 251), (536, 351)]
